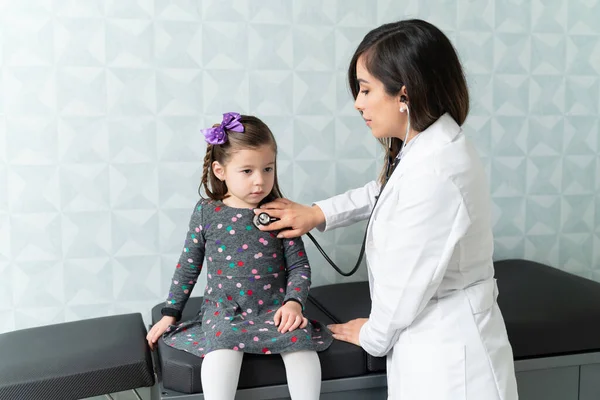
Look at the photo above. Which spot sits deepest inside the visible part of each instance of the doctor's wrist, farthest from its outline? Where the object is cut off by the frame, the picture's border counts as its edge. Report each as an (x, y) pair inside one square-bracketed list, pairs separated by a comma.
[(318, 216)]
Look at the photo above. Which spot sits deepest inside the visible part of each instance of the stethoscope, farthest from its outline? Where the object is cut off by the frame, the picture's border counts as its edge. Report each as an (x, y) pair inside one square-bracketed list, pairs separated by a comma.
[(264, 219)]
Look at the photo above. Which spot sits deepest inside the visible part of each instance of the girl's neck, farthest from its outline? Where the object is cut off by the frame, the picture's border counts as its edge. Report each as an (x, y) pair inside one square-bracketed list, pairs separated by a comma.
[(233, 202)]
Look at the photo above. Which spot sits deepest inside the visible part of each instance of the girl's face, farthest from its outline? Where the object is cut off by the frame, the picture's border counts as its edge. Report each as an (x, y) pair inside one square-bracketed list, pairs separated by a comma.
[(380, 110), (249, 175)]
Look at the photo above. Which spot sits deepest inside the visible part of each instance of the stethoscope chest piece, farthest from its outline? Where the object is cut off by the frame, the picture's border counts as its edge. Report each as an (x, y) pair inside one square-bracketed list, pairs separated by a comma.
[(262, 219)]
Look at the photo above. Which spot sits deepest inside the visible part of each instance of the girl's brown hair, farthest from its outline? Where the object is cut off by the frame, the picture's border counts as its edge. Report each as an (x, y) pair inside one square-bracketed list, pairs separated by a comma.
[(256, 134)]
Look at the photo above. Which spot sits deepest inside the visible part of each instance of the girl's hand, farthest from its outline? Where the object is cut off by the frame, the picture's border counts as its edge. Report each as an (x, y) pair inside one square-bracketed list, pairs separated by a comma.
[(348, 332), (297, 217), (158, 329), (289, 317)]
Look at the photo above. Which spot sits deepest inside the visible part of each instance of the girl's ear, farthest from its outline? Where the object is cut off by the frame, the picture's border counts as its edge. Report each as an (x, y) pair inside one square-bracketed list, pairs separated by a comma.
[(218, 170)]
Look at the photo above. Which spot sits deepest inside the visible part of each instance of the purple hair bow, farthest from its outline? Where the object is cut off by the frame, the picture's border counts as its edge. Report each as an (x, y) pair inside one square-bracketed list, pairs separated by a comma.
[(217, 135)]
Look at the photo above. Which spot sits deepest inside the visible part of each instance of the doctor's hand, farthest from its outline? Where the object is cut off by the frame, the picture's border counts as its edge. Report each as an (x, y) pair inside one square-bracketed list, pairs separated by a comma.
[(348, 332), (294, 219)]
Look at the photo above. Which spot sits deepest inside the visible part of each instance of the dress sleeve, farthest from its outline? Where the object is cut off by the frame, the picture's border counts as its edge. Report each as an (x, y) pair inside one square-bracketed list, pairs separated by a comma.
[(297, 270), (189, 266)]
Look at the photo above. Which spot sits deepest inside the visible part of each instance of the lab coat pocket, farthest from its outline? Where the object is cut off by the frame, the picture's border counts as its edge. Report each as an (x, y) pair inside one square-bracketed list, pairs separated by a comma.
[(432, 371)]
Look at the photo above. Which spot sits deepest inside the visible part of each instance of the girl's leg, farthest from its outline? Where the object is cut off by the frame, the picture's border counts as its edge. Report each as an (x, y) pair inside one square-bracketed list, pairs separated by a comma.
[(303, 371), (220, 374)]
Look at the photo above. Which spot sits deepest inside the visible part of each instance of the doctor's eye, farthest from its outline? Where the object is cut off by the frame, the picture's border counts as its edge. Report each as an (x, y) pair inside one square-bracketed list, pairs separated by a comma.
[(365, 92)]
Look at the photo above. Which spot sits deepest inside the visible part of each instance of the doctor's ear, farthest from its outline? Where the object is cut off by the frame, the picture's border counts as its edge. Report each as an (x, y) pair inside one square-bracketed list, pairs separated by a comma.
[(403, 95), (403, 100)]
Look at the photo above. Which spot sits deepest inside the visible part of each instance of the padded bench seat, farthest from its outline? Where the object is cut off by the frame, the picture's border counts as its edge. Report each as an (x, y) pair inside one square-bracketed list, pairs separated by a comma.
[(345, 302), (75, 360), (548, 313), (180, 371)]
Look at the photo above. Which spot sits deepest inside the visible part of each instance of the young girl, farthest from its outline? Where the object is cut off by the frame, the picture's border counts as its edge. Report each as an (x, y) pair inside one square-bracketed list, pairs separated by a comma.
[(257, 284)]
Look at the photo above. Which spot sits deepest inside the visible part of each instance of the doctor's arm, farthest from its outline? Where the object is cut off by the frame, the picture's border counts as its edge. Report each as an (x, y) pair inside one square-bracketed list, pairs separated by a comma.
[(349, 207), (338, 211), (412, 254)]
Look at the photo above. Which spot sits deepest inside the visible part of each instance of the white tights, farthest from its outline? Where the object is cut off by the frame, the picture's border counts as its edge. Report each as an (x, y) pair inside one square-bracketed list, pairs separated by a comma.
[(221, 372)]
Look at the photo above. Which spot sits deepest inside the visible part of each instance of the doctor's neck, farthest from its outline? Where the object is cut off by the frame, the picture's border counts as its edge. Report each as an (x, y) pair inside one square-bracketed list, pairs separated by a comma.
[(410, 136)]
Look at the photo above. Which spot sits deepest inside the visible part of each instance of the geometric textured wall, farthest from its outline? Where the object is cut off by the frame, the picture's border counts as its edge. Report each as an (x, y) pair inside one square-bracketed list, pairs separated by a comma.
[(101, 103)]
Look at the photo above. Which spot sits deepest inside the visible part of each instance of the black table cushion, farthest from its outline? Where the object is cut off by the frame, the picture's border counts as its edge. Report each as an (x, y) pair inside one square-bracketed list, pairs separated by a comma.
[(548, 312), (75, 360), (344, 302), (180, 371)]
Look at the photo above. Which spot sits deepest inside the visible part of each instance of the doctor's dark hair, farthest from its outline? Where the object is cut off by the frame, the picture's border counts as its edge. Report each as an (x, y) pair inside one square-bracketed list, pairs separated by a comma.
[(256, 134), (415, 54)]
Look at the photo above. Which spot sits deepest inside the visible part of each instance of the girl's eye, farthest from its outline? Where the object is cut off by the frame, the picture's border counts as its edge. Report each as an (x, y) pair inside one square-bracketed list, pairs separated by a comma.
[(247, 171), (269, 169)]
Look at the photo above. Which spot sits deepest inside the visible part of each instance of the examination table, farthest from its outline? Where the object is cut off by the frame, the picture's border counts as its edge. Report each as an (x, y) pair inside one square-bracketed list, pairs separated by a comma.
[(552, 318)]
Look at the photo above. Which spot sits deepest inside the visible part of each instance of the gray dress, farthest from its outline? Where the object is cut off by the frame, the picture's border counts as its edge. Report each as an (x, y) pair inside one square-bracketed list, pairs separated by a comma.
[(251, 274)]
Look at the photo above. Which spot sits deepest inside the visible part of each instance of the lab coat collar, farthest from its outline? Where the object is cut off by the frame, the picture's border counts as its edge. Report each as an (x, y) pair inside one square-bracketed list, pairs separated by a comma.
[(444, 130)]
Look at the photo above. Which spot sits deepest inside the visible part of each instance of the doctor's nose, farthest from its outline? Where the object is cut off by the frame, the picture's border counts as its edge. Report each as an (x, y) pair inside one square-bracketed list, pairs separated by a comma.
[(358, 105)]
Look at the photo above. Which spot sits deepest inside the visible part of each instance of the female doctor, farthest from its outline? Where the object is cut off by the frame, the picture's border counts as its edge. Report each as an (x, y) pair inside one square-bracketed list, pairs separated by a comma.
[(429, 242)]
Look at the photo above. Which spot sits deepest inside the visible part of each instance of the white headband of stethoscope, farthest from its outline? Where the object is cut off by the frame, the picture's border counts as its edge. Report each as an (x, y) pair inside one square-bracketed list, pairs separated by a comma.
[(407, 126)]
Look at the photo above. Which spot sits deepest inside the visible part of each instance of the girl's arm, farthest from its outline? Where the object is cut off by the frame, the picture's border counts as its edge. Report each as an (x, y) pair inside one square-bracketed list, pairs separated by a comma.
[(188, 268), (297, 270)]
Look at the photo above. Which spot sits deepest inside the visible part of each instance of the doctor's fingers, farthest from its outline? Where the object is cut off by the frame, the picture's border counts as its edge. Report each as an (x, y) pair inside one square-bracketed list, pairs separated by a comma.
[(336, 328), (343, 333), (277, 204), (273, 212), (342, 337)]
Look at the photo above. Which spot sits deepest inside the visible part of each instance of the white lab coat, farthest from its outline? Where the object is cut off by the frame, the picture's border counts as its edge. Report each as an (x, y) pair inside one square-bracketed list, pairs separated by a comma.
[(429, 256)]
